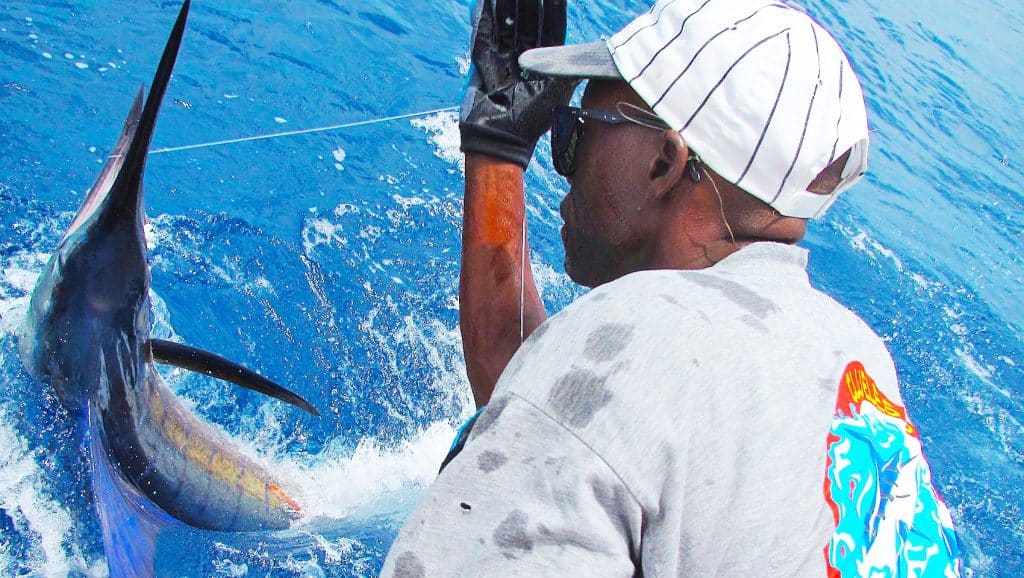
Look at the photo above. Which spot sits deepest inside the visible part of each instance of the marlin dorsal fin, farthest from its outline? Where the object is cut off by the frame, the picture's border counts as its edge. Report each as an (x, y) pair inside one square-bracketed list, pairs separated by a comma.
[(193, 359)]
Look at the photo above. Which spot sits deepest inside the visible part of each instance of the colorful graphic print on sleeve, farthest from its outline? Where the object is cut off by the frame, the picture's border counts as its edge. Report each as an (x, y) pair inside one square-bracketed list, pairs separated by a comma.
[(890, 521)]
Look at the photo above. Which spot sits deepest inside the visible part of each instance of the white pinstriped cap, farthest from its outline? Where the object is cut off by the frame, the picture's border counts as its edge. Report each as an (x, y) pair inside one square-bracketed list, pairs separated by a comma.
[(762, 93)]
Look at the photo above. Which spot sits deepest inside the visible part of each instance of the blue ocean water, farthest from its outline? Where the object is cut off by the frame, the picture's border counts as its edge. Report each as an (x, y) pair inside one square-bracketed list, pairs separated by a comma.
[(328, 261)]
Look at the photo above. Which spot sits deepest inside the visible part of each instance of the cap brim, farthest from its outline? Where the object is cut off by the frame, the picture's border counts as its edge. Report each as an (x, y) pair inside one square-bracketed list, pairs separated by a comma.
[(576, 61)]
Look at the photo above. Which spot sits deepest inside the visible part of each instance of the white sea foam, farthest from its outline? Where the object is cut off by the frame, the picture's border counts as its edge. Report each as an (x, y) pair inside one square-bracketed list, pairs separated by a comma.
[(228, 568), (443, 132), (36, 516), (339, 158), (370, 232), (158, 231), (335, 551), (20, 273), (407, 202), (319, 231), (866, 244), (346, 209), (443, 348), (150, 233), (338, 483), (464, 64), (978, 369), (924, 283)]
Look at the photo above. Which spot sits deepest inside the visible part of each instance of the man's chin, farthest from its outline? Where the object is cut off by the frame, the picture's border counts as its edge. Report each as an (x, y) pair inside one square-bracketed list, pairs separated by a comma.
[(579, 277)]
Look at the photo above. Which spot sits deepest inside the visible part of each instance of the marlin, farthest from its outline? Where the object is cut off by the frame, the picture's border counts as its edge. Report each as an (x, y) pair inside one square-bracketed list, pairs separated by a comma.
[(87, 333)]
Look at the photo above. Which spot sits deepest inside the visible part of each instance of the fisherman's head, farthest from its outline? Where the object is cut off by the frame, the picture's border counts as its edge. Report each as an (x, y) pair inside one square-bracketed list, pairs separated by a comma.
[(704, 126)]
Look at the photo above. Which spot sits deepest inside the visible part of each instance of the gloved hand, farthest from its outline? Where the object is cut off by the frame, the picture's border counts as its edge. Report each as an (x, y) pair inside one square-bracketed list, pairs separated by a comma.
[(505, 111)]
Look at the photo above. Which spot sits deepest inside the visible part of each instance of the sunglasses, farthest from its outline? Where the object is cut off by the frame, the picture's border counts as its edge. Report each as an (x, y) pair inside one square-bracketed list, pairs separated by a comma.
[(567, 124)]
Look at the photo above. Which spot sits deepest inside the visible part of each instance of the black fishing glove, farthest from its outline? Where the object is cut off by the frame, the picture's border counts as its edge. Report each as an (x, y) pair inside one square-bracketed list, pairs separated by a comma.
[(505, 110)]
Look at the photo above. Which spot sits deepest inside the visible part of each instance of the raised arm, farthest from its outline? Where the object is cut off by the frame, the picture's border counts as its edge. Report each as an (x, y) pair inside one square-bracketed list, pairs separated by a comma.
[(503, 116), (499, 305)]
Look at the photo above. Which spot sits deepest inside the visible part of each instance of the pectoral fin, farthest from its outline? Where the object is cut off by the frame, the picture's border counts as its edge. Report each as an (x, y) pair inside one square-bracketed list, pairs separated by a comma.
[(211, 364)]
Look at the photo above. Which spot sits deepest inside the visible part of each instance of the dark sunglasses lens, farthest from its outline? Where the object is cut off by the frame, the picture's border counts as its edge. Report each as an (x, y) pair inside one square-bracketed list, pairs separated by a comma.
[(565, 134)]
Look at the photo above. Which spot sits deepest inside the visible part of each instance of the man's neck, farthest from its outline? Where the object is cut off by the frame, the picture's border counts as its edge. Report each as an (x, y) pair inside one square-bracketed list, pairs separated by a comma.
[(698, 255)]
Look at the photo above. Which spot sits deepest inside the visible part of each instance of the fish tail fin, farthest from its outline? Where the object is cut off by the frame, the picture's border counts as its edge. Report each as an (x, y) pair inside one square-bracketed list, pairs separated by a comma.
[(131, 523)]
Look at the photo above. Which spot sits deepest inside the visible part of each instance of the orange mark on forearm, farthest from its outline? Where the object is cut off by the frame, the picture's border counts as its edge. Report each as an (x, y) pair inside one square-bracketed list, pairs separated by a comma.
[(494, 201)]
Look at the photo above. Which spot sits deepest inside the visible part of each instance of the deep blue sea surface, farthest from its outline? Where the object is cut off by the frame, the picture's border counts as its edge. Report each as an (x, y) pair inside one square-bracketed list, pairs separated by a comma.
[(328, 261)]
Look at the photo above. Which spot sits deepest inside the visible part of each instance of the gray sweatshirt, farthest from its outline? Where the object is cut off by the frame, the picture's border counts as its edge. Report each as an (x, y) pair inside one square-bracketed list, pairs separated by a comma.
[(732, 421)]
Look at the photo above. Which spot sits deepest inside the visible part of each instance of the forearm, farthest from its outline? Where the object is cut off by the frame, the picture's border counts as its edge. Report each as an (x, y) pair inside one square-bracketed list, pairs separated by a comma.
[(499, 305)]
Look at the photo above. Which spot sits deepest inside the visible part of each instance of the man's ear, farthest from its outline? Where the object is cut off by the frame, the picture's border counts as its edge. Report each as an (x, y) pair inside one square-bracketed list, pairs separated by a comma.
[(668, 167)]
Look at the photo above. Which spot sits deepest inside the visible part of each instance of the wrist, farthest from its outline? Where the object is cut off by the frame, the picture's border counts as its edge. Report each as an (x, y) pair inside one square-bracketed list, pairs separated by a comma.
[(493, 176), (487, 141), (492, 165)]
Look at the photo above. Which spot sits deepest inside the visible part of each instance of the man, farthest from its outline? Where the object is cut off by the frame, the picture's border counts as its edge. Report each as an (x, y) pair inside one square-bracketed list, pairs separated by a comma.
[(704, 410)]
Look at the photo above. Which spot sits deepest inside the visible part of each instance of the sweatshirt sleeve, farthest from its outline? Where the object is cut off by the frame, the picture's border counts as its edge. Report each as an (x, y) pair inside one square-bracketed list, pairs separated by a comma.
[(525, 497)]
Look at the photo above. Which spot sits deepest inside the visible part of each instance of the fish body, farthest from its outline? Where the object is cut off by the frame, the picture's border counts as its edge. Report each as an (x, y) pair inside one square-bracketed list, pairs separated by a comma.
[(87, 334)]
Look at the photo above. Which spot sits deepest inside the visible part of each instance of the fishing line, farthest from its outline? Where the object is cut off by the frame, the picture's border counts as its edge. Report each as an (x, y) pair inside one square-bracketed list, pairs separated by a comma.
[(721, 205), (522, 281), (302, 131)]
